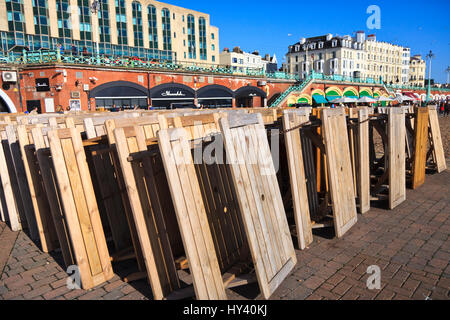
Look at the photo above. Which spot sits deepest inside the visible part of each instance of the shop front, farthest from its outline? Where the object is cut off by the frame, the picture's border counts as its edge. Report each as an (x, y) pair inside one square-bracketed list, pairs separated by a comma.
[(250, 97), (120, 94), (215, 96), (172, 96)]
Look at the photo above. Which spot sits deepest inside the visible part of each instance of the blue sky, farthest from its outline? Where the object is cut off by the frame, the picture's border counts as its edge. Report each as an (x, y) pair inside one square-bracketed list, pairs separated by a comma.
[(271, 26)]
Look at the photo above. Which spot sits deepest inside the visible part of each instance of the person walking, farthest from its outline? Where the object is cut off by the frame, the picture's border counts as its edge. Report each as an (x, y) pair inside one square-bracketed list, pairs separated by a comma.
[(447, 109)]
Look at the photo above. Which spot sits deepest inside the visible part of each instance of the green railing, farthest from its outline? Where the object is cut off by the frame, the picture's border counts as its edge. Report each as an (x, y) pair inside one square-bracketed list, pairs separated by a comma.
[(395, 86), (296, 88), (341, 78), (53, 56)]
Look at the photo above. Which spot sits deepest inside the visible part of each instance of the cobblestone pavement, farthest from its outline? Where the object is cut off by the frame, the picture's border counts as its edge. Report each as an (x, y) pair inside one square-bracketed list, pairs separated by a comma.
[(410, 244)]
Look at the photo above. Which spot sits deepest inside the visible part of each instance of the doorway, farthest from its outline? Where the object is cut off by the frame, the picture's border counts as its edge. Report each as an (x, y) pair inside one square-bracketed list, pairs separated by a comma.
[(34, 104)]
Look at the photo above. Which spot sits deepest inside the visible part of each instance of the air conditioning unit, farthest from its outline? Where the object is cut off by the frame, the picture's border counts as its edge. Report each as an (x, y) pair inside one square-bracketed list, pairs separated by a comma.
[(9, 76)]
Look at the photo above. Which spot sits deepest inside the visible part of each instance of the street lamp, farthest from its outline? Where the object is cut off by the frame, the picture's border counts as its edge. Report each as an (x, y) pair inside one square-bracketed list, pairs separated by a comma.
[(448, 73), (429, 56), (95, 7)]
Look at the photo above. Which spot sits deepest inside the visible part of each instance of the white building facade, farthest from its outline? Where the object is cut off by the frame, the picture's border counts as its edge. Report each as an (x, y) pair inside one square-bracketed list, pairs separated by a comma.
[(240, 61)]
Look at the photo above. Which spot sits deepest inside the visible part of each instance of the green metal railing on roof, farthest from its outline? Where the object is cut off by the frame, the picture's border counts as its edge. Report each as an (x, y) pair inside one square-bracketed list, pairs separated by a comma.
[(54, 56)]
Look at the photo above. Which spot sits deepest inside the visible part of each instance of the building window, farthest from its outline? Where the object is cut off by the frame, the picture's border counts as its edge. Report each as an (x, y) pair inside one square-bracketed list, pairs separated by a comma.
[(213, 47), (152, 27), (40, 12), (121, 22), (64, 23), (167, 38), (85, 20), (202, 38), (137, 24), (212, 36), (192, 50), (103, 22), (213, 58)]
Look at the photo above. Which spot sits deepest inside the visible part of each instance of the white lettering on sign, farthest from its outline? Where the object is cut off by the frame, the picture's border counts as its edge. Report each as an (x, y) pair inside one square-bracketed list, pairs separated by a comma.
[(173, 94)]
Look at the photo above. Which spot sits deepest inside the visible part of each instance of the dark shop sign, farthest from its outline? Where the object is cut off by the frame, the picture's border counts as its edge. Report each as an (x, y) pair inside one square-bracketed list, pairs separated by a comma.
[(42, 85)]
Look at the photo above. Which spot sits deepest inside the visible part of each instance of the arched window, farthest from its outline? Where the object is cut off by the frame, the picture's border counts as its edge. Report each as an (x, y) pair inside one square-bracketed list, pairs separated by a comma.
[(152, 27), (192, 50), (137, 24), (167, 35), (202, 39)]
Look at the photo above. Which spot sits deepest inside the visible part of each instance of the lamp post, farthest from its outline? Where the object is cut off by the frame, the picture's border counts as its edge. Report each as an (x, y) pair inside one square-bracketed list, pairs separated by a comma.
[(429, 56), (95, 7), (448, 73)]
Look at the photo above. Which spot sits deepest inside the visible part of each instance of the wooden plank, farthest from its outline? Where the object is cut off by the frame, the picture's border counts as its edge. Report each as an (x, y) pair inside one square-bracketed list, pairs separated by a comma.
[(339, 170), (436, 139), (420, 147), (396, 157), (80, 207), (106, 182), (52, 192), (260, 200), (22, 182), (297, 175), (9, 201), (363, 162), (149, 222), (191, 214), (44, 221)]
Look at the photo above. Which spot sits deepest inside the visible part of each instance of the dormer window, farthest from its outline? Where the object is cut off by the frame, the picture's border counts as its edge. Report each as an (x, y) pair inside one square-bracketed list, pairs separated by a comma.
[(320, 45), (334, 43), (297, 48)]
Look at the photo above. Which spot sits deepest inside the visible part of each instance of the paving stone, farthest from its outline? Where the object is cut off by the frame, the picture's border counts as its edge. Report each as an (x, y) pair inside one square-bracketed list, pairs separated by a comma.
[(410, 244)]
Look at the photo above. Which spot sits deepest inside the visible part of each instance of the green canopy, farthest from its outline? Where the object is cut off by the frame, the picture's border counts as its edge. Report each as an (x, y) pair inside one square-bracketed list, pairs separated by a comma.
[(365, 94), (350, 94)]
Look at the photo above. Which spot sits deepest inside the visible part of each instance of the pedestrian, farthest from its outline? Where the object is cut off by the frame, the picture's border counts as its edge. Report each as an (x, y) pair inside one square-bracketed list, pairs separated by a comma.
[(447, 109)]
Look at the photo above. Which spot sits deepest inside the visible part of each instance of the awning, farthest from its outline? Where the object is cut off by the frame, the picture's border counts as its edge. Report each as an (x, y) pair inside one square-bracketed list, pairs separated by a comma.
[(214, 92), (353, 97), (320, 99), (411, 95), (172, 92), (331, 98)]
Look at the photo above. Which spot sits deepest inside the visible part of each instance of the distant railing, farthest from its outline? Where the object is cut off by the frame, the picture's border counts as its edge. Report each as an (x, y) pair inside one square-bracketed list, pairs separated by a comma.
[(341, 78), (401, 87)]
